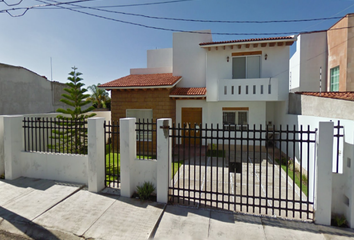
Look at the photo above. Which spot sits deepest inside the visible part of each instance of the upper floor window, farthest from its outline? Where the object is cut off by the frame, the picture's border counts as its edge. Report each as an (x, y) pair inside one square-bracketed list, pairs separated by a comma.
[(246, 67), (334, 79)]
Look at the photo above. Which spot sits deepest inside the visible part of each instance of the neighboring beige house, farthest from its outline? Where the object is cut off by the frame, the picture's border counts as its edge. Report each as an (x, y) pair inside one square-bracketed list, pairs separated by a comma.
[(26, 92), (327, 55)]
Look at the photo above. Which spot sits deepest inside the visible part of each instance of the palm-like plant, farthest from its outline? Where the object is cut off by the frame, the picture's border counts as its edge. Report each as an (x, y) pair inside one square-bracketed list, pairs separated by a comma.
[(99, 96)]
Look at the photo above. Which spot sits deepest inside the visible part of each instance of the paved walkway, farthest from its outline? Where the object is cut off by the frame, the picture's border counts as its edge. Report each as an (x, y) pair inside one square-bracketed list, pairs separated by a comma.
[(42, 209)]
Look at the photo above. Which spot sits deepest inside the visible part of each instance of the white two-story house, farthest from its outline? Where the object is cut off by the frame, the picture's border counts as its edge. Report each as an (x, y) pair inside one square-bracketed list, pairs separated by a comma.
[(200, 81)]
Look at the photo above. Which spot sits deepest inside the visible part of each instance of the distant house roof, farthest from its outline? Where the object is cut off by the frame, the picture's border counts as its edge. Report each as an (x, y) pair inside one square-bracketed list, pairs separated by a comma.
[(159, 80), (336, 95), (290, 39)]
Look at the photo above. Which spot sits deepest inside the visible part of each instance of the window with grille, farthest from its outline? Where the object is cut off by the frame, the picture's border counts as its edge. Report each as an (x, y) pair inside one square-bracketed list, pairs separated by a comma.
[(145, 117), (334, 87), (235, 119)]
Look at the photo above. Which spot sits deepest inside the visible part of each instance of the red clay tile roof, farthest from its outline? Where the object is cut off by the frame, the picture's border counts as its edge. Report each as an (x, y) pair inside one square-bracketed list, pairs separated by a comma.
[(335, 95), (189, 91), (143, 80), (249, 40)]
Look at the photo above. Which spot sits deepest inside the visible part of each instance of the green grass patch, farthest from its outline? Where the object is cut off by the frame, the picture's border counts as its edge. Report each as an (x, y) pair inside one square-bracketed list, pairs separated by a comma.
[(298, 178), (175, 166), (112, 166)]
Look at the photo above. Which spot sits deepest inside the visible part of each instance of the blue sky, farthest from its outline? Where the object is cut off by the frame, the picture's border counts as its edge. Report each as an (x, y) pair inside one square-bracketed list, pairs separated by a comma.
[(105, 50)]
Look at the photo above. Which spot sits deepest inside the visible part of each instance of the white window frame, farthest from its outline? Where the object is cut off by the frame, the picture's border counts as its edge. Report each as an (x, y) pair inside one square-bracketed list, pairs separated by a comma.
[(332, 77), (236, 125), (142, 136), (247, 56)]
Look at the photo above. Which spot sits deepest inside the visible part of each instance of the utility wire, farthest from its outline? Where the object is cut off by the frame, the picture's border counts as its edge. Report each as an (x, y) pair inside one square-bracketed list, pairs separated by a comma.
[(10, 5), (8, 11), (201, 20), (135, 4), (188, 31)]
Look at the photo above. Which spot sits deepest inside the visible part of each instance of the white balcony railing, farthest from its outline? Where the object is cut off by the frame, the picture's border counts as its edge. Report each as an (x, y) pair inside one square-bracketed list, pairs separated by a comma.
[(255, 89)]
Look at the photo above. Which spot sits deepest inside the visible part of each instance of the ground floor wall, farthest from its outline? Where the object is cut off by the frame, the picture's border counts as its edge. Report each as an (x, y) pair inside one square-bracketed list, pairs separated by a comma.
[(212, 112), (343, 182)]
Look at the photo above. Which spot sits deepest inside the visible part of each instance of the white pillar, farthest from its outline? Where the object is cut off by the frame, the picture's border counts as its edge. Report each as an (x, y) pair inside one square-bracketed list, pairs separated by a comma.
[(127, 155), (96, 155), (323, 197), (13, 146), (164, 156)]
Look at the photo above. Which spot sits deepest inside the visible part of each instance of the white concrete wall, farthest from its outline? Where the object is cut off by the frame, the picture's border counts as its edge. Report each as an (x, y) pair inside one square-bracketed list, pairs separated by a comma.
[(159, 58), (23, 92), (311, 54), (276, 66), (59, 167), (343, 184), (189, 59), (294, 67)]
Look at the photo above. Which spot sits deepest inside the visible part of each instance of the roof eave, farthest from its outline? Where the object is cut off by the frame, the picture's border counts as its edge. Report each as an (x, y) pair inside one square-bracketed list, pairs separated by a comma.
[(187, 96), (249, 42), (143, 87)]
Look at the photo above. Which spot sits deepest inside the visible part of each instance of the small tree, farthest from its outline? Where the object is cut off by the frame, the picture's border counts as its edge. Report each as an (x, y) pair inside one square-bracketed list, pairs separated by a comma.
[(99, 96), (72, 136)]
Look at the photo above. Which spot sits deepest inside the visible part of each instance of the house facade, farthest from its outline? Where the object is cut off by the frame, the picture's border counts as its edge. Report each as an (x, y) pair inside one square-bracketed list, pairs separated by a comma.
[(324, 60), (198, 80)]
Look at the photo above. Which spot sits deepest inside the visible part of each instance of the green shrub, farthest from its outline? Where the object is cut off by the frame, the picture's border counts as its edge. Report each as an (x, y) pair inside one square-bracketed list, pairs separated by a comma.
[(145, 190), (340, 221)]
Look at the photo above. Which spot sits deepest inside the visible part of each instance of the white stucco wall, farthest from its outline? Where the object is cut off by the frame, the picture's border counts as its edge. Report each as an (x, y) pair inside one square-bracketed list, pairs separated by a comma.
[(294, 67), (212, 111), (189, 59), (343, 184), (158, 58), (60, 167), (276, 66), (26, 92), (310, 55), (151, 70)]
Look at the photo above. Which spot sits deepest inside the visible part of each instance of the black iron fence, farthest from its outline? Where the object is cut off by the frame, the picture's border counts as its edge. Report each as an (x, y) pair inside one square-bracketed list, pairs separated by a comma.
[(146, 139), (112, 154), (259, 170), (55, 135)]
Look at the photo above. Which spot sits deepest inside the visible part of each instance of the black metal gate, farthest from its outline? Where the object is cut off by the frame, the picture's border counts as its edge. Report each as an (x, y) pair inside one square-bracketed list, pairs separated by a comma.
[(266, 171), (112, 154)]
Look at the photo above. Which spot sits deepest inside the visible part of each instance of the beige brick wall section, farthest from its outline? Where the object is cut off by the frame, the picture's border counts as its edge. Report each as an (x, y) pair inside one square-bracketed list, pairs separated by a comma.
[(157, 99)]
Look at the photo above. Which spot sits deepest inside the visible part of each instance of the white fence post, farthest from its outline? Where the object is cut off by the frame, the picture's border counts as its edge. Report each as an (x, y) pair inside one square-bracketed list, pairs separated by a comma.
[(323, 197), (95, 165), (164, 156), (13, 146), (127, 155)]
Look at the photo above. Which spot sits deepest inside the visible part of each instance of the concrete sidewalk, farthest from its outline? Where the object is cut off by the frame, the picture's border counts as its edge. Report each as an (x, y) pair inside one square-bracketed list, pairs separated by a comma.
[(184, 223), (42, 209)]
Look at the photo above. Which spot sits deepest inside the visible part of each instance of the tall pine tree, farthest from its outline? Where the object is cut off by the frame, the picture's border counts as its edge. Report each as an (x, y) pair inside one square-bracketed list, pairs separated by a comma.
[(71, 133)]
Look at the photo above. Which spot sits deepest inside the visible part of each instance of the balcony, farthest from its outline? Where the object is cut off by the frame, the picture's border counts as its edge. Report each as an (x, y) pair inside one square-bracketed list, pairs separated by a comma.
[(258, 89)]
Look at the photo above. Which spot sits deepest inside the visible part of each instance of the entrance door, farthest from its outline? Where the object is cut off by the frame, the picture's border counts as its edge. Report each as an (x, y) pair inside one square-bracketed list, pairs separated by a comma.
[(190, 117)]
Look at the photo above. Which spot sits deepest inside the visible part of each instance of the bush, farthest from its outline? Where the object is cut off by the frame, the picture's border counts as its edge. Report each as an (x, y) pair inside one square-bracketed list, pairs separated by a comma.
[(145, 190)]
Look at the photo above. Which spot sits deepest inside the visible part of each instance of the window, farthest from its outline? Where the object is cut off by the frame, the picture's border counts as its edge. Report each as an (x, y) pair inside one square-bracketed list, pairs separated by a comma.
[(144, 115), (334, 79), (246, 67), (235, 119)]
